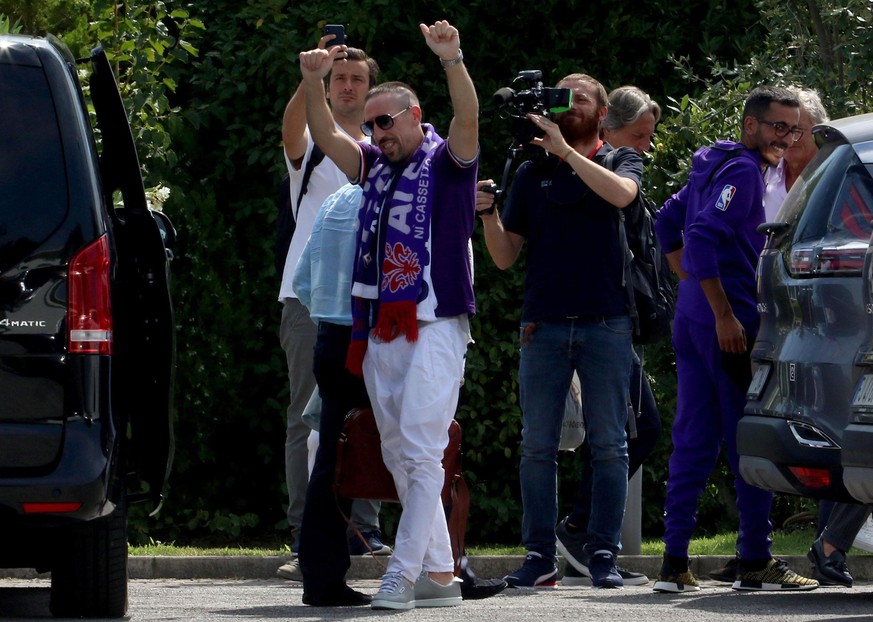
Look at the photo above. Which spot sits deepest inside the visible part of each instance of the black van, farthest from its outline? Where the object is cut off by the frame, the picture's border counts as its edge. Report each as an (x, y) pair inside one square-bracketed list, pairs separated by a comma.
[(87, 342), (816, 334)]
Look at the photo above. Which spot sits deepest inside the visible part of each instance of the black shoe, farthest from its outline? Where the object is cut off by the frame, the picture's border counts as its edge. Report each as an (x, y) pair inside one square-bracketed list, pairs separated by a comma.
[(474, 588), (346, 597), (831, 569), (727, 573)]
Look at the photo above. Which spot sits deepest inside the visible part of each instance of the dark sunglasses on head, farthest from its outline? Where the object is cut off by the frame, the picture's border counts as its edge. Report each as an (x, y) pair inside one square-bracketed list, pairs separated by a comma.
[(783, 129), (384, 121)]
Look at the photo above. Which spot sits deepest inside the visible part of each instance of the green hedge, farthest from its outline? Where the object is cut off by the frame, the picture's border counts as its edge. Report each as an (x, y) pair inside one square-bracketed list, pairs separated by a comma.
[(228, 477), (207, 111)]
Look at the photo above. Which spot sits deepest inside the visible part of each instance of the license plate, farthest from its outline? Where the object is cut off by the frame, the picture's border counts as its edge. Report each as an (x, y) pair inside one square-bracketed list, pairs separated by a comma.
[(864, 391), (759, 381)]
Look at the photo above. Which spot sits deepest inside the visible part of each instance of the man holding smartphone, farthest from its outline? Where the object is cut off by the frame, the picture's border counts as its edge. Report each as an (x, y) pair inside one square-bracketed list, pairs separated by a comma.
[(412, 284), (352, 75)]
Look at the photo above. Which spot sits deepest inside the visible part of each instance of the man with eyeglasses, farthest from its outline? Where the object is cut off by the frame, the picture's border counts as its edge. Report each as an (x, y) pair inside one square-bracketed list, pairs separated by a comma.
[(412, 295), (709, 231)]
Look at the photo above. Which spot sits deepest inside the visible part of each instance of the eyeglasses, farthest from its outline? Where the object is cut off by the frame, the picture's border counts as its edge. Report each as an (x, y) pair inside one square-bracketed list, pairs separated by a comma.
[(384, 121), (782, 129)]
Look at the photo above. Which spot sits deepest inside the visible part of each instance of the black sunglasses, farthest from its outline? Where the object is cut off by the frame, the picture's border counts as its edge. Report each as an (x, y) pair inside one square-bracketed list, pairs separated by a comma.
[(782, 129), (384, 121)]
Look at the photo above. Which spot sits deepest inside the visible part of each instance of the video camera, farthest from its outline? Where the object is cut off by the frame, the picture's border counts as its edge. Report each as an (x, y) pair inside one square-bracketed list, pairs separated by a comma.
[(532, 98)]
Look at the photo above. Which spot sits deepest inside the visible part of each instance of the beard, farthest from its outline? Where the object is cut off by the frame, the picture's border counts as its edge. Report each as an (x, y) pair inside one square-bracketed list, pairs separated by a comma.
[(576, 126)]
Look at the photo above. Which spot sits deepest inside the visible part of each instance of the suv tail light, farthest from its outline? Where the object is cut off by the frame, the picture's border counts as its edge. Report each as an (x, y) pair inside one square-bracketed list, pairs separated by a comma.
[(846, 260), (811, 478), (89, 317)]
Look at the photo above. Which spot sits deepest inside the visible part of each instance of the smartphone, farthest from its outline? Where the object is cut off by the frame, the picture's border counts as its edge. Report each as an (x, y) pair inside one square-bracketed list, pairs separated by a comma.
[(338, 30)]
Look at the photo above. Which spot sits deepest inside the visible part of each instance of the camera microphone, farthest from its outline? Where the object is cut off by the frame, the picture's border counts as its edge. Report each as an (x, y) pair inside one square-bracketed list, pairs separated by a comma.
[(503, 96)]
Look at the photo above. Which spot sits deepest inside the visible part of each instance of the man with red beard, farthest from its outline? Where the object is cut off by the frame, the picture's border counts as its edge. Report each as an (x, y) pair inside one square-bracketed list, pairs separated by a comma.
[(574, 318), (709, 232)]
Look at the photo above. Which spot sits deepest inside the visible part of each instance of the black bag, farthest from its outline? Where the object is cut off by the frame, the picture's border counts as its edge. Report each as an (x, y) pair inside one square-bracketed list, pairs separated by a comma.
[(286, 220), (647, 274)]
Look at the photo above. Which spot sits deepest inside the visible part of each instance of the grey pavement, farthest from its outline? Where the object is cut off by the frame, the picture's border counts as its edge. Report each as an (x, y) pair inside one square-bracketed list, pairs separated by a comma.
[(268, 600), (368, 568)]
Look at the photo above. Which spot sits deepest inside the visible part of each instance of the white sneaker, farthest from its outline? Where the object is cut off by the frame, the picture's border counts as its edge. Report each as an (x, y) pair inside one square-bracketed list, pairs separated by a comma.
[(864, 539), (290, 570), (429, 593), (394, 593)]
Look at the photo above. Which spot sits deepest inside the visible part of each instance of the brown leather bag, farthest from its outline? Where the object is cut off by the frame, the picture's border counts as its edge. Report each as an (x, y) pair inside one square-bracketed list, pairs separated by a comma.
[(361, 474)]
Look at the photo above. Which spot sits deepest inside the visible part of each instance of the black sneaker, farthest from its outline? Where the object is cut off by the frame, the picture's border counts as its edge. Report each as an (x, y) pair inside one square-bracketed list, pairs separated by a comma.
[(830, 569), (573, 577), (774, 575), (571, 544), (603, 572), (476, 588), (537, 571), (727, 573), (675, 577)]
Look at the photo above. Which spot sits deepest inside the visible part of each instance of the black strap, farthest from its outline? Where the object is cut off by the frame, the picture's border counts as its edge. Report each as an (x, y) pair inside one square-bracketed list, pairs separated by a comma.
[(315, 158), (609, 164)]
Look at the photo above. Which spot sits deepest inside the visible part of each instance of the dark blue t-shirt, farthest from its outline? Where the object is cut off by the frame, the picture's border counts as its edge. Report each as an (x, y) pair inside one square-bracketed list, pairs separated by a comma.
[(574, 257)]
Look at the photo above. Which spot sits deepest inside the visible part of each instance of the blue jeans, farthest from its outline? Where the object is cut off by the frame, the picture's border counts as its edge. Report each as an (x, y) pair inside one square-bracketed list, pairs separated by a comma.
[(599, 350)]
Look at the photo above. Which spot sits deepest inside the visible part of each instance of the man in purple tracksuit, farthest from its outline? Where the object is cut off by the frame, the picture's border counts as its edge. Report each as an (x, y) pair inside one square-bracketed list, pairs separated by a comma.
[(708, 230)]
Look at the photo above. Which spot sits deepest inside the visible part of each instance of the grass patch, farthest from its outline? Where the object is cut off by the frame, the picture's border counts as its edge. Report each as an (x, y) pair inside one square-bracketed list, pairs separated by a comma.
[(795, 542)]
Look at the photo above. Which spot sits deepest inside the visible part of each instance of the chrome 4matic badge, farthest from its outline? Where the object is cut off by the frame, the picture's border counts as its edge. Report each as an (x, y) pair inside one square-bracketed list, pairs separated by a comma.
[(724, 199), (7, 324)]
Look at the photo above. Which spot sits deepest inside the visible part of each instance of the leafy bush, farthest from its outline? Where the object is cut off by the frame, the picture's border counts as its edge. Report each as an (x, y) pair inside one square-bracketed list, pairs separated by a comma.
[(207, 111)]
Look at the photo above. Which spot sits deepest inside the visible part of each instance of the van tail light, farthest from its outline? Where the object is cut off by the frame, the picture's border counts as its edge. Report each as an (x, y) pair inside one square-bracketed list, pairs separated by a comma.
[(812, 478), (51, 508), (828, 261), (89, 316)]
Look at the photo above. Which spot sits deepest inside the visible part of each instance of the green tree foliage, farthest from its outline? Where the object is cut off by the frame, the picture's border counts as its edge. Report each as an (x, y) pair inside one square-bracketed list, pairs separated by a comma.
[(208, 125), (232, 389), (810, 43)]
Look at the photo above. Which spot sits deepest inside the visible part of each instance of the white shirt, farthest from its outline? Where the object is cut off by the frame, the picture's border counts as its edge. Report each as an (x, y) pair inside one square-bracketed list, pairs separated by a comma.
[(325, 180), (774, 191)]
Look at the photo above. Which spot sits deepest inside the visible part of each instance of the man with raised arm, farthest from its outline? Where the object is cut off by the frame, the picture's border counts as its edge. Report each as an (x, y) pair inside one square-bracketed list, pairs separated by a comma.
[(413, 294)]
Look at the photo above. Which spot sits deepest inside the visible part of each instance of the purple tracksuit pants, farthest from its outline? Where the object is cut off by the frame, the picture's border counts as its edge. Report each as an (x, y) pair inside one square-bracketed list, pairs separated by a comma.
[(708, 408)]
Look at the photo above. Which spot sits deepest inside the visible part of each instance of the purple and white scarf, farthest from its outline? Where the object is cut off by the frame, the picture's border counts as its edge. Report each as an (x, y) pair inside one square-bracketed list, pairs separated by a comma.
[(393, 232)]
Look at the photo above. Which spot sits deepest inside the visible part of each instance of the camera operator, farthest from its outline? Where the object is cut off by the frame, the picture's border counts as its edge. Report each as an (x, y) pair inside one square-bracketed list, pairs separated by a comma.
[(574, 318)]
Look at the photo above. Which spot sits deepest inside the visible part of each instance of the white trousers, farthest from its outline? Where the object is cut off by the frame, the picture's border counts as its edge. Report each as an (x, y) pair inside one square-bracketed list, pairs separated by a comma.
[(414, 391)]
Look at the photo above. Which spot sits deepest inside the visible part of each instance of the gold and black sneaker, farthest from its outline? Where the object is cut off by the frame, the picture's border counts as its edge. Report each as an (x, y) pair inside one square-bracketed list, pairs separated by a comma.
[(774, 575), (675, 577)]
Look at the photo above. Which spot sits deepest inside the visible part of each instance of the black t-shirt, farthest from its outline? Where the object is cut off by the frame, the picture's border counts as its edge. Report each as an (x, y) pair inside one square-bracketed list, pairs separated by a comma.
[(574, 257)]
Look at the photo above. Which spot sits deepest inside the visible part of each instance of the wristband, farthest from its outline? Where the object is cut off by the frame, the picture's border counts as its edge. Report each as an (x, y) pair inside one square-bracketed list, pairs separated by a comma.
[(455, 61), (570, 150)]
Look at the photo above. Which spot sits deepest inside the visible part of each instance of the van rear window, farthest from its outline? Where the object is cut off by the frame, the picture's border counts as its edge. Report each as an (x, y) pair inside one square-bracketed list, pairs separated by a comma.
[(33, 184)]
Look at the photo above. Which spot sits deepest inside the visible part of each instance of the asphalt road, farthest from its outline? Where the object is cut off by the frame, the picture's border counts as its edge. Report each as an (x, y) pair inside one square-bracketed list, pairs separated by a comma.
[(268, 600)]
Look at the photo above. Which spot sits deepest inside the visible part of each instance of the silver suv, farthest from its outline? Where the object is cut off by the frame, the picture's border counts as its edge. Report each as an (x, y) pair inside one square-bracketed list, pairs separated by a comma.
[(812, 357), (86, 329)]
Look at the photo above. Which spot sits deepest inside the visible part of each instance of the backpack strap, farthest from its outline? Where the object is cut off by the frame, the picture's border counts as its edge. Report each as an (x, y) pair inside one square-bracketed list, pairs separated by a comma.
[(627, 282), (315, 158)]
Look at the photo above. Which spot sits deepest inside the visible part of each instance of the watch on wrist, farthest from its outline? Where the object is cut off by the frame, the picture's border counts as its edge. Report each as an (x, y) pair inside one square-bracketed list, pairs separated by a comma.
[(455, 61)]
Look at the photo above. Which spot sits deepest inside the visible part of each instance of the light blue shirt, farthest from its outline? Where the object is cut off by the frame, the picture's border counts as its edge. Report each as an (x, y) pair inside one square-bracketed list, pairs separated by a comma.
[(323, 277)]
